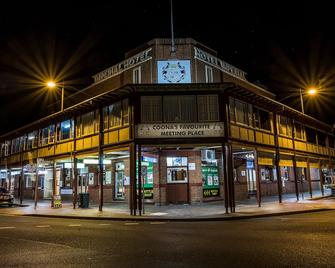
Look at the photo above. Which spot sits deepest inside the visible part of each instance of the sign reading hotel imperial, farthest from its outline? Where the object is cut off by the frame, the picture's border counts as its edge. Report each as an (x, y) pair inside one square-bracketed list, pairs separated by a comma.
[(180, 130), (219, 64)]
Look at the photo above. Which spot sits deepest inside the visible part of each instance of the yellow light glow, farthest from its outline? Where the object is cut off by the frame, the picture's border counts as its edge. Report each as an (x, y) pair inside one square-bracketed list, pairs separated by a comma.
[(312, 91), (51, 84)]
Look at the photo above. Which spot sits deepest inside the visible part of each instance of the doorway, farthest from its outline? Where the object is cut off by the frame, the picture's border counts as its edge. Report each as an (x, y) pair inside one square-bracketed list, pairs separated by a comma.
[(119, 181)]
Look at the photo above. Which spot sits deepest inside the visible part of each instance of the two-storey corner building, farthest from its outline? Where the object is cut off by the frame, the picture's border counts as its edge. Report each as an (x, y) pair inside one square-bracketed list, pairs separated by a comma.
[(185, 127)]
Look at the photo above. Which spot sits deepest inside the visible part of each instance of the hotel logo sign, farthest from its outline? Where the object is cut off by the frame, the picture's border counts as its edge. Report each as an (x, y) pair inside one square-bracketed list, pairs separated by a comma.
[(174, 71), (219, 64), (181, 130), (123, 66)]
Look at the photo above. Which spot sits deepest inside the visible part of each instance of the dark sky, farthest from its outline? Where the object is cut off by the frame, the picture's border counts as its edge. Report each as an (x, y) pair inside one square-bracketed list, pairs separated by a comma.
[(282, 45)]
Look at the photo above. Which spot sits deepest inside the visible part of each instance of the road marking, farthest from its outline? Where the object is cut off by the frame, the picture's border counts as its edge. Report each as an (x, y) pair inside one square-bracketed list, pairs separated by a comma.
[(131, 223), (104, 224), (157, 222), (42, 226), (7, 227), (74, 225)]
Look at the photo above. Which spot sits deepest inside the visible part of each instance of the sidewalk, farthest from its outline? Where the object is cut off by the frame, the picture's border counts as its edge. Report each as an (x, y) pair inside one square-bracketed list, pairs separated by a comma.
[(199, 212)]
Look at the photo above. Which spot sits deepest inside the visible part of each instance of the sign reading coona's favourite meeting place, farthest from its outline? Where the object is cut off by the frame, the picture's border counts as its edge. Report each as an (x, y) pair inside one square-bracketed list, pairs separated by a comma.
[(181, 130)]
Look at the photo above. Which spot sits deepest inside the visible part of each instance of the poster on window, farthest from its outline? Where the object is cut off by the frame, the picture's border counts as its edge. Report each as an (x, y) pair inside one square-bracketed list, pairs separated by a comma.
[(173, 71), (210, 181)]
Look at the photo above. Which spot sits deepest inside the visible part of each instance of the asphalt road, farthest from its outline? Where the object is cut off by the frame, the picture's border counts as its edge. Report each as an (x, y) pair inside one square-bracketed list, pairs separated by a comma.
[(305, 240)]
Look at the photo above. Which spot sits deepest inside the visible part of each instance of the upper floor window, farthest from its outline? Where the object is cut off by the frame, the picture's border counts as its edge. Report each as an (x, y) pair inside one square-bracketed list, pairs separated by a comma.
[(137, 75), (87, 124), (208, 108), (321, 138), (179, 108), (262, 119), (151, 109), (240, 112), (31, 140), (310, 135), (299, 131), (4, 148), (209, 74), (65, 130), (285, 126), (47, 135), (116, 114)]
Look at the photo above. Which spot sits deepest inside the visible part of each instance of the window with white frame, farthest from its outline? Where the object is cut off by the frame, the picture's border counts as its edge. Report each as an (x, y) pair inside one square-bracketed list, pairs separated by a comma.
[(209, 74), (137, 75)]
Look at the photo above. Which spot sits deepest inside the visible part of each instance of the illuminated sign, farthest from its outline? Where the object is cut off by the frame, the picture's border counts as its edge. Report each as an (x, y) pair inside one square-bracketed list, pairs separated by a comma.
[(123, 66), (219, 64), (182, 130), (174, 71), (211, 192)]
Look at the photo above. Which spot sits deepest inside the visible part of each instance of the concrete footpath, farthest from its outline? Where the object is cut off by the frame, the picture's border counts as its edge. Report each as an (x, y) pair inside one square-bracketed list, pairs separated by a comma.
[(199, 212)]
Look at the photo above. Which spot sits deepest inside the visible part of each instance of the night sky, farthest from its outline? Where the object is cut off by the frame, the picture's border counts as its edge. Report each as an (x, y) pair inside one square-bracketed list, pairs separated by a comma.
[(283, 46)]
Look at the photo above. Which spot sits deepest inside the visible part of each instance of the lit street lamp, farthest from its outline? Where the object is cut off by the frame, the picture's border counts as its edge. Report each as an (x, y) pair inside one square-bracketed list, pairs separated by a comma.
[(51, 85), (310, 91)]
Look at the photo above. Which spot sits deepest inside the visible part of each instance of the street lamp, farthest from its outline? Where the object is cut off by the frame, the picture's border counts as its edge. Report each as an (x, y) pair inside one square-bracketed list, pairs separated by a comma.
[(51, 85), (310, 91)]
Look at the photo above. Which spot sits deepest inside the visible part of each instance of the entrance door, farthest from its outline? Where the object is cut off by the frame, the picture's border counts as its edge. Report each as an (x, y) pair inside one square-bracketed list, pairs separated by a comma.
[(119, 180), (48, 187), (251, 180), (119, 184), (177, 180)]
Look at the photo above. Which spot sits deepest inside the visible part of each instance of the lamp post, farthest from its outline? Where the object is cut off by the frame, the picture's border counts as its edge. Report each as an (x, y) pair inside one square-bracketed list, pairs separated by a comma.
[(51, 85), (310, 91)]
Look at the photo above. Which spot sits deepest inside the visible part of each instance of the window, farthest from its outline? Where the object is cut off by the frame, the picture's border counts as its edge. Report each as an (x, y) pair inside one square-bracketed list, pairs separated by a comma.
[(209, 74), (179, 108), (321, 138), (266, 174), (4, 149), (125, 112), (51, 134), (17, 144), (262, 119), (285, 126), (241, 109), (30, 181), (299, 131), (30, 140), (64, 130), (176, 169), (151, 109), (86, 124), (137, 75), (116, 114), (208, 108), (44, 134), (310, 135)]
